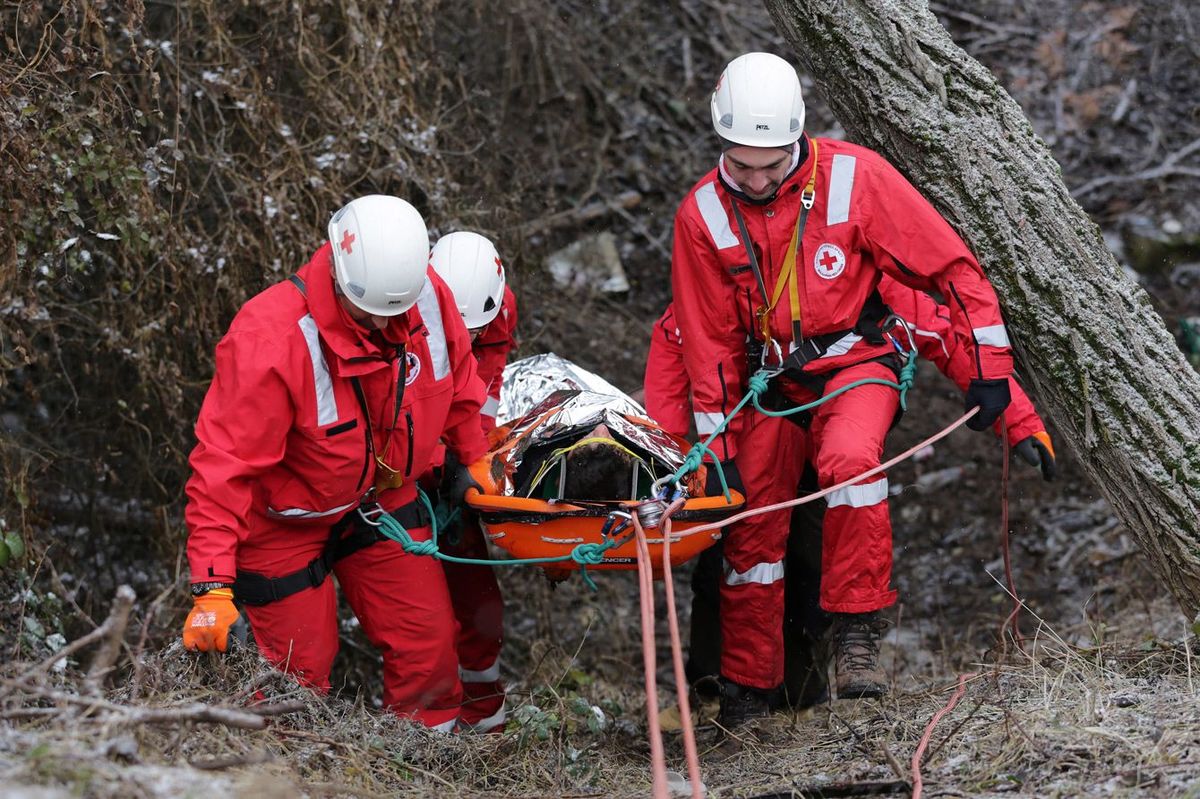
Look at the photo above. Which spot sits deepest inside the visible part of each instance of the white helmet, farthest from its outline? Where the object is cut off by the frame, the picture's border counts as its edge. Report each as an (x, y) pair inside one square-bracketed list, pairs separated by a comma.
[(472, 269), (757, 102), (380, 253)]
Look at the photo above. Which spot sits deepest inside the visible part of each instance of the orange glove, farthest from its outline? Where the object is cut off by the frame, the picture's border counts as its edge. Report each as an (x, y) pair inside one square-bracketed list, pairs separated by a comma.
[(208, 625), (1037, 451)]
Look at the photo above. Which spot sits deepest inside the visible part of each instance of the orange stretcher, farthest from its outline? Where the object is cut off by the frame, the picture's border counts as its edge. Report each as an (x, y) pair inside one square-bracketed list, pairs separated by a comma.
[(543, 525)]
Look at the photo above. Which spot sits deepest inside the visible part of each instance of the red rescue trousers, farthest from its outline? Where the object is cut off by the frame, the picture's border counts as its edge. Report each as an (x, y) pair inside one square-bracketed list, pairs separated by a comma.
[(845, 438), (479, 609), (401, 601), (847, 435)]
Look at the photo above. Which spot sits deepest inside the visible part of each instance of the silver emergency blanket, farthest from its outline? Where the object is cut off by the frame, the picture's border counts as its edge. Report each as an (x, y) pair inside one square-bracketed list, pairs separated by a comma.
[(558, 400), (530, 380)]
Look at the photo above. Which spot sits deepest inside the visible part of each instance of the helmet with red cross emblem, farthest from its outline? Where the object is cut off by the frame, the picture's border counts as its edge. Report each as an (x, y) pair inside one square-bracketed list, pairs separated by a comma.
[(757, 102), (380, 253), (472, 269)]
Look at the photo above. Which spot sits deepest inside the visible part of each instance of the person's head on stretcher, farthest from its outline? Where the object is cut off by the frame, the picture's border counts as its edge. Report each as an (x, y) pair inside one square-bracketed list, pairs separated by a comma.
[(599, 468)]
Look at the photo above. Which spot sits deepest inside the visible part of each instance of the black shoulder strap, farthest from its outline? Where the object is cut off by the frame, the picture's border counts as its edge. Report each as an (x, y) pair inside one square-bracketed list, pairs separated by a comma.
[(298, 282), (749, 245)]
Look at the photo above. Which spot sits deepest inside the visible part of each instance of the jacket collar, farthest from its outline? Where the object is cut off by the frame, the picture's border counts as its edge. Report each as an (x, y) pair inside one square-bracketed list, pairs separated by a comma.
[(801, 164), (356, 349)]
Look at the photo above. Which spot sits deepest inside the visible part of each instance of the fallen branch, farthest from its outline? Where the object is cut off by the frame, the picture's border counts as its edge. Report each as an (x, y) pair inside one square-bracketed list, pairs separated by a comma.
[(124, 598), (113, 635), (254, 718), (582, 214), (1169, 166)]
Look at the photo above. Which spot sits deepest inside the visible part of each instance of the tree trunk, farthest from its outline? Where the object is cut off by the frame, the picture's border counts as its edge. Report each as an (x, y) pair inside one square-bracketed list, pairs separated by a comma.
[(1099, 357)]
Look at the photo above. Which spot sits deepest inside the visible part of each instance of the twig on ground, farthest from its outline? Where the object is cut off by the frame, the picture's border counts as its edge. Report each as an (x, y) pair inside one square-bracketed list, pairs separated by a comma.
[(113, 637)]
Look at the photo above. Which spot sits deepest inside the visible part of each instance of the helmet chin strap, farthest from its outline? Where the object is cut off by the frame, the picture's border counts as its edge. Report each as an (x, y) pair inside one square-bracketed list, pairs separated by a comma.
[(799, 153)]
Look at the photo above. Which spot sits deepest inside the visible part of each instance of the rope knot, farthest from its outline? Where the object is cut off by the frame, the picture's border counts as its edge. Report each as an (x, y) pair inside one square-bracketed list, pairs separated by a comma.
[(419, 547), (758, 383), (692, 461), (589, 554)]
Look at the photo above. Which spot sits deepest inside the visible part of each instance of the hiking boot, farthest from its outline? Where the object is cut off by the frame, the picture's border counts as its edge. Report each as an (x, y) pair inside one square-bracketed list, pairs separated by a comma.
[(856, 663), (741, 705)]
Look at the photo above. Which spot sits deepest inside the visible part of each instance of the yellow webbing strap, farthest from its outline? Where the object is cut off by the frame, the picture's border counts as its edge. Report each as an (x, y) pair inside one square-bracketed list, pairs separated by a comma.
[(788, 274), (559, 454)]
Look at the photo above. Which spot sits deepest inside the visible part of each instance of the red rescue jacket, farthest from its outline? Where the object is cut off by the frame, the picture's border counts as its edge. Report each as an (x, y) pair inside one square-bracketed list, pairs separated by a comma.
[(867, 220), (668, 390), (491, 351), (282, 433)]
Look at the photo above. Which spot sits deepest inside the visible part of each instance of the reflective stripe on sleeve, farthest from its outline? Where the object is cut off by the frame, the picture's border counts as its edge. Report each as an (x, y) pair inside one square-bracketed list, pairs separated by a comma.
[(930, 334), (715, 217), (759, 573), (706, 423), (859, 496), (327, 412), (301, 513), (431, 315), (490, 407), (841, 186), (992, 336)]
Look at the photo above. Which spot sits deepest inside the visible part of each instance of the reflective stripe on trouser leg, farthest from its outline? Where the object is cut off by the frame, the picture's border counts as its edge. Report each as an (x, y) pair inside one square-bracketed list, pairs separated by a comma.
[(848, 435), (404, 607), (770, 459), (479, 609)]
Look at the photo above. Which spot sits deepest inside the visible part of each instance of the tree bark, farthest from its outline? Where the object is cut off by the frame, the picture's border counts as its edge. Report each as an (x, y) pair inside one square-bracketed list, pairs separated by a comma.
[(1099, 357)]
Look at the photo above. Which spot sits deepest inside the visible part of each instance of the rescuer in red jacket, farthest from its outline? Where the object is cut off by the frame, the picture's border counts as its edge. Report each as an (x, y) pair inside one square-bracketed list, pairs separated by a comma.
[(332, 390), (781, 247), (472, 268), (668, 401)]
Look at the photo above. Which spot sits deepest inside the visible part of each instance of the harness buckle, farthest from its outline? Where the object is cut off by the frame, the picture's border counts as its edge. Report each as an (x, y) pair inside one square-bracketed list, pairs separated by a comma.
[(807, 198), (317, 572), (369, 512)]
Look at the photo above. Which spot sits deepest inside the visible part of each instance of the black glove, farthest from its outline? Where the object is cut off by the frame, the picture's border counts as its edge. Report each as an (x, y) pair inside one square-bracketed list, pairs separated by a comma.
[(733, 479), (460, 481), (991, 397), (1037, 451)]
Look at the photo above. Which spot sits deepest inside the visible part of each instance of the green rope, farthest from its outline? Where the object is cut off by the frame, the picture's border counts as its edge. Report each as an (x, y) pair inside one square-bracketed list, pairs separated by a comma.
[(907, 376), (583, 554), (758, 384)]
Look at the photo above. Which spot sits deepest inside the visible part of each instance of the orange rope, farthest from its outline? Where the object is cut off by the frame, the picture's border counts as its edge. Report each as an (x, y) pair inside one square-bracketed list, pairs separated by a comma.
[(1011, 621), (917, 755), (685, 710), (703, 528), (658, 760)]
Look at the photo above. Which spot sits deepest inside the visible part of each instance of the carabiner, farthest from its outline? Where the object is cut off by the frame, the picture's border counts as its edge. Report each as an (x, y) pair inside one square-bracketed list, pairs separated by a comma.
[(774, 345), (608, 531), (894, 320)]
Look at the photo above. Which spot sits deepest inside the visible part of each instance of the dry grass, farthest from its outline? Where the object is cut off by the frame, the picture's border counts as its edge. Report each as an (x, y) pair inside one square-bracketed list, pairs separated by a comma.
[(1117, 719)]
